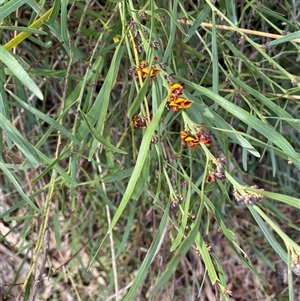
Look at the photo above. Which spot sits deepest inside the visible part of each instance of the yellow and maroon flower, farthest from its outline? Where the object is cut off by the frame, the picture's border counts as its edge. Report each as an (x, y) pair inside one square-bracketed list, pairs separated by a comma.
[(189, 139), (179, 104), (176, 91), (183, 135), (143, 70), (202, 136), (177, 101)]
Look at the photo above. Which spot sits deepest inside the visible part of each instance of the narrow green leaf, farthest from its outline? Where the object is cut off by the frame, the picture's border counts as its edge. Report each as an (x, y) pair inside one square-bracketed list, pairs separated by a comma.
[(121, 175), (144, 269), (184, 218), (128, 229), (46, 118), (287, 38), (207, 259), (10, 7), (172, 30), (143, 153), (247, 5), (291, 201), (200, 18), (230, 238), (56, 226), (181, 251), (53, 164), (230, 8), (9, 60), (25, 147), (63, 23), (4, 109), (18, 218), (12, 179), (142, 181), (222, 277), (24, 29), (55, 11), (268, 103), (273, 242), (139, 98), (107, 144), (98, 111)]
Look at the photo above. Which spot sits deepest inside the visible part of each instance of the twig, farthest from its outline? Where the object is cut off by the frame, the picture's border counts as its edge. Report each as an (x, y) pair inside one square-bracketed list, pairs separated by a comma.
[(122, 290), (35, 63), (113, 257), (41, 268), (243, 30), (112, 247)]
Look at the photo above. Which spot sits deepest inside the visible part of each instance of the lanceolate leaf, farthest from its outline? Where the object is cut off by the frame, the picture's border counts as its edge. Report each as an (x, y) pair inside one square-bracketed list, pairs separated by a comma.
[(25, 147), (13, 180), (10, 6), (16, 69), (46, 118), (154, 248), (99, 137)]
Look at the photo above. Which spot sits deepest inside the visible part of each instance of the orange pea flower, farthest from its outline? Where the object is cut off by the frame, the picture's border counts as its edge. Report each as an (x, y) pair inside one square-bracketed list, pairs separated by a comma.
[(176, 90), (179, 104), (189, 139), (202, 136), (143, 70), (177, 100)]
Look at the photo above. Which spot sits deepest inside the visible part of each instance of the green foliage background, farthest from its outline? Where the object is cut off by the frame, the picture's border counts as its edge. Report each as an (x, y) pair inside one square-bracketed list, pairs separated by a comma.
[(92, 207)]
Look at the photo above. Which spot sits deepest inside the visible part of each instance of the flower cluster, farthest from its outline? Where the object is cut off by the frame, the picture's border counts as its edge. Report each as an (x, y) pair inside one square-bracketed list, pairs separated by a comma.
[(136, 37), (189, 139), (217, 173), (139, 122), (248, 198), (176, 200), (176, 99), (201, 136), (143, 69)]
